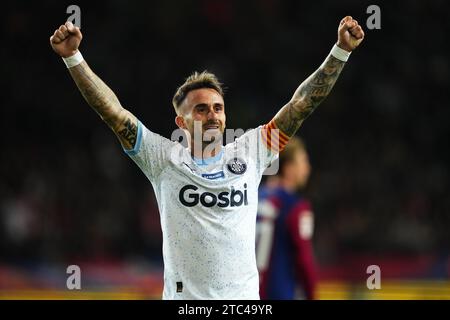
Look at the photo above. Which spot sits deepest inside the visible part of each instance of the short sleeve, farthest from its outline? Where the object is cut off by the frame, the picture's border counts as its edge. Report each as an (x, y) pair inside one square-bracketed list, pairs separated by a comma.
[(253, 143), (151, 152)]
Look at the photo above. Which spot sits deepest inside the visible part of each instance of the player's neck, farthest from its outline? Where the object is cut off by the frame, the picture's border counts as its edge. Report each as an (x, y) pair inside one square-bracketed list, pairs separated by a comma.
[(206, 151)]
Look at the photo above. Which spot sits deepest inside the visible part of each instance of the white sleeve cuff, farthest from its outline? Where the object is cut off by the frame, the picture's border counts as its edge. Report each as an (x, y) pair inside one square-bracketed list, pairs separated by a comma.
[(74, 60), (339, 53)]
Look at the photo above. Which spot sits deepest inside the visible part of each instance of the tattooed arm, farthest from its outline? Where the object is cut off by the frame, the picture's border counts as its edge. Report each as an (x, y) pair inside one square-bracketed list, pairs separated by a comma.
[(65, 42), (308, 96), (317, 86), (101, 98)]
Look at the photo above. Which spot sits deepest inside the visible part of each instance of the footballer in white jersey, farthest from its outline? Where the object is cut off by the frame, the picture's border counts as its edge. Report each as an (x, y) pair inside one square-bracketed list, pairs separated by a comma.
[(207, 197), (208, 213)]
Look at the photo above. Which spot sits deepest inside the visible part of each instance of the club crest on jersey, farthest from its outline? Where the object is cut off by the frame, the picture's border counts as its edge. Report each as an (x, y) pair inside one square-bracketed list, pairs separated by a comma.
[(237, 166)]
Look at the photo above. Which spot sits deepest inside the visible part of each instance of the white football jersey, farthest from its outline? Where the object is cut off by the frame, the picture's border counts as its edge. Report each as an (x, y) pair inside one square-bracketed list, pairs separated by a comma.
[(208, 214)]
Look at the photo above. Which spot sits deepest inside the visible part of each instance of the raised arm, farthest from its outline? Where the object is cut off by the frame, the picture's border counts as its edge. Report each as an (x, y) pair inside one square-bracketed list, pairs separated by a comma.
[(65, 42), (318, 85)]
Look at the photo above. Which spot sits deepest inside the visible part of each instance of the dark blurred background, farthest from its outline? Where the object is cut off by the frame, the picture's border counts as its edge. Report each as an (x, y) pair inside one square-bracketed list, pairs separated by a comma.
[(378, 144)]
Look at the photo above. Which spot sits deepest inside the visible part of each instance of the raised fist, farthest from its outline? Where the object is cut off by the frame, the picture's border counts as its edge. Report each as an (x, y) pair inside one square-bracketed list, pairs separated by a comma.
[(350, 34), (66, 39)]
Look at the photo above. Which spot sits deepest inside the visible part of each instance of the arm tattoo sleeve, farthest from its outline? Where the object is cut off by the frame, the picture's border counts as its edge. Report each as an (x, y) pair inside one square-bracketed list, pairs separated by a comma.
[(103, 100), (308, 96), (129, 132)]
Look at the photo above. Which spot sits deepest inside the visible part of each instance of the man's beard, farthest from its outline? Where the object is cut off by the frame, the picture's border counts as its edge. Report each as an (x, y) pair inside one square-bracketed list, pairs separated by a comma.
[(213, 128), (211, 135)]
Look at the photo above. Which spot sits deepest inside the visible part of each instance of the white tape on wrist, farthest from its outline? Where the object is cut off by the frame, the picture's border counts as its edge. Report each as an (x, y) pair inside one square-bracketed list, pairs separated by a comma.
[(74, 60), (339, 53)]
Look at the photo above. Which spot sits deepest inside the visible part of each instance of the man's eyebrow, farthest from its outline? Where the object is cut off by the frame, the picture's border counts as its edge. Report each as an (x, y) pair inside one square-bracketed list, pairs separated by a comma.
[(206, 105)]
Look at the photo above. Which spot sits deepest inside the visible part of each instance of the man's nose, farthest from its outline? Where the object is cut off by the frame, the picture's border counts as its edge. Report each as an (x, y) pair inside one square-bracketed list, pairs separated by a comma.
[(211, 114)]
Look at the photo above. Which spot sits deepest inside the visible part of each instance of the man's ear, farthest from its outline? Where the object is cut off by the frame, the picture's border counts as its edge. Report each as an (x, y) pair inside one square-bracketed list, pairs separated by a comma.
[(179, 120)]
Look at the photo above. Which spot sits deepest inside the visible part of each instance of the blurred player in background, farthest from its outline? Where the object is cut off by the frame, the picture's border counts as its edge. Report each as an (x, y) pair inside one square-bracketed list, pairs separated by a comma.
[(207, 197), (284, 230)]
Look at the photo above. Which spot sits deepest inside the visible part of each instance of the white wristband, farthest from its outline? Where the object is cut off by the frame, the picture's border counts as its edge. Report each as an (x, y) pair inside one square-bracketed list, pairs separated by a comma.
[(74, 60), (339, 53)]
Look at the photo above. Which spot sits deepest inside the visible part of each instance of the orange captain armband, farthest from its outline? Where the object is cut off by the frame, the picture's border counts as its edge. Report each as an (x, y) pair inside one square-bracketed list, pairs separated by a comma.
[(274, 139)]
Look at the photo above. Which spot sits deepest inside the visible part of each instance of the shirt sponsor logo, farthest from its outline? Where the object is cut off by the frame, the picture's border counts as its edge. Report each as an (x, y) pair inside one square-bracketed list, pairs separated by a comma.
[(190, 198), (213, 176)]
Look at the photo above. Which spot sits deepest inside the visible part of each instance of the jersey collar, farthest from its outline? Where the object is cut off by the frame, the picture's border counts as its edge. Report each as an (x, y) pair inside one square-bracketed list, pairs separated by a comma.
[(207, 161)]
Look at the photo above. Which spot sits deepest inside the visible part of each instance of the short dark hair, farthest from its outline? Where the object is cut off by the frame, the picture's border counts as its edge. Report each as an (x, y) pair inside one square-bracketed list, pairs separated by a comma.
[(195, 81)]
